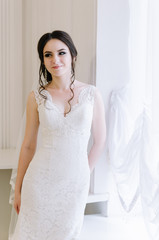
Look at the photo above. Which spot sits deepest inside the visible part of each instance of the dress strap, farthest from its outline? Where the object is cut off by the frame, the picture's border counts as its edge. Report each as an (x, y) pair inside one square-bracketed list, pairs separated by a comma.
[(39, 99), (91, 93), (88, 94)]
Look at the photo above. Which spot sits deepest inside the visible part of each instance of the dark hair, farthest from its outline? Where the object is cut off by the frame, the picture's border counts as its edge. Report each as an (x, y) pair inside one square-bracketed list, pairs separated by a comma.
[(65, 38)]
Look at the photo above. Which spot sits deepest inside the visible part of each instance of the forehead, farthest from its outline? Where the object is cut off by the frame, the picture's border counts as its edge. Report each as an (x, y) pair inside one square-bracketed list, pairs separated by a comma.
[(54, 45)]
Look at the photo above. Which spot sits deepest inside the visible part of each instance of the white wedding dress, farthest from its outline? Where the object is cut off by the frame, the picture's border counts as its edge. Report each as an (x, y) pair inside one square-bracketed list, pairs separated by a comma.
[(56, 184)]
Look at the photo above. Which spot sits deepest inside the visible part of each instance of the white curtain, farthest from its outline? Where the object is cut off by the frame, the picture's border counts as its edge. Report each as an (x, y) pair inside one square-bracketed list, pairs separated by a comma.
[(134, 116)]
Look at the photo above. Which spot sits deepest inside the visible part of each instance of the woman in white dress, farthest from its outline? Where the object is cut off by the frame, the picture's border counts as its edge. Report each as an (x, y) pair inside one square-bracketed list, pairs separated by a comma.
[(52, 183)]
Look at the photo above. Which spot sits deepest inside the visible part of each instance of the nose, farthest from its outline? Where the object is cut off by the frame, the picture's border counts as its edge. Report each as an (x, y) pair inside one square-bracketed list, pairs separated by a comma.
[(55, 59)]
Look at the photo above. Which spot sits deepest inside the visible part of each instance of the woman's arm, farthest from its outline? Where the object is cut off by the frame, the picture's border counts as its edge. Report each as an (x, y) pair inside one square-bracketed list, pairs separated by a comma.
[(98, 130), (28, 146)]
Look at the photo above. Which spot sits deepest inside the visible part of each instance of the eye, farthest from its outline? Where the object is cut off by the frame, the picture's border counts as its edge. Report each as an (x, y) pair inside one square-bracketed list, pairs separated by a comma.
[(62, 53), (47, 55)]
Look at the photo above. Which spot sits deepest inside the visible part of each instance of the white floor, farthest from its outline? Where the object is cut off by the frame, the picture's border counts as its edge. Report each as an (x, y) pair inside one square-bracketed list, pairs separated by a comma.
[(97, 227)]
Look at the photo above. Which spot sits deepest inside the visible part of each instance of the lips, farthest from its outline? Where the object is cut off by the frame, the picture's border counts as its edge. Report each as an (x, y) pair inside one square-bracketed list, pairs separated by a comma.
[(56, 67)]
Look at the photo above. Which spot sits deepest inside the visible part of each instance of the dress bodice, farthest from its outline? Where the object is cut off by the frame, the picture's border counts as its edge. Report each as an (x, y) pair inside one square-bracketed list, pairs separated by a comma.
[(76, 124)]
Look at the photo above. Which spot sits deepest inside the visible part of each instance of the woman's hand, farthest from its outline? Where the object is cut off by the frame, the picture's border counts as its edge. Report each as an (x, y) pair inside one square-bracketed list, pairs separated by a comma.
[(17, 202)]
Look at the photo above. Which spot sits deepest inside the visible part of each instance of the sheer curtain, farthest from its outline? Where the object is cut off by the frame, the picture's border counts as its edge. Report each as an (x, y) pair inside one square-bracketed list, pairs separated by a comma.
[(133, 139)]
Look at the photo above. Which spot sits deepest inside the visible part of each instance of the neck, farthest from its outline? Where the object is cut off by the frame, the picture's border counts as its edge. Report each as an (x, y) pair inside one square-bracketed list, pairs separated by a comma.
[(60, 83)]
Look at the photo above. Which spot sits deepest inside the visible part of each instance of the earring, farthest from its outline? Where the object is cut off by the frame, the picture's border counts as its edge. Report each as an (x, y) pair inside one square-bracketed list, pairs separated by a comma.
[(45, 74)]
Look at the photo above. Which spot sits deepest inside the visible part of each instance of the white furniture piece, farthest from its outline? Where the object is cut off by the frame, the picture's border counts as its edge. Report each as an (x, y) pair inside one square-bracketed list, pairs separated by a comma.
[(7, 159), (99, 197)]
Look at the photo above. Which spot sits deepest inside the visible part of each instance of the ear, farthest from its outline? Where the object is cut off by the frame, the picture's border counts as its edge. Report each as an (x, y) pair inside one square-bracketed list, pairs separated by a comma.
[(74, 59)]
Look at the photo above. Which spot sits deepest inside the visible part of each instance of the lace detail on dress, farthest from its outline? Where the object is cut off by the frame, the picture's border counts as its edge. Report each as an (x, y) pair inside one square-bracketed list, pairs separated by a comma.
[(87, 94), (39, 99), (56, 184), (52, 207)]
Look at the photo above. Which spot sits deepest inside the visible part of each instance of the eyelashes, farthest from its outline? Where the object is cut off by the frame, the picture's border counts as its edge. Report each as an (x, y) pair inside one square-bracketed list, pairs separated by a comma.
[(62, 53), (47, 55)]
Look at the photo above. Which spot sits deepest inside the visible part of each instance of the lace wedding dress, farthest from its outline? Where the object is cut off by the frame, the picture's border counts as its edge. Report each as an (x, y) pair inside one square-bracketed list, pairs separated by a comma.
[(56, 184)]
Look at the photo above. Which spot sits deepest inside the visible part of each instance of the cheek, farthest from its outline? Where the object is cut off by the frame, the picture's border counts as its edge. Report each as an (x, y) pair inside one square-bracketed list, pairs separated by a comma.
[(68, 60), (45, 62), (70, 64)]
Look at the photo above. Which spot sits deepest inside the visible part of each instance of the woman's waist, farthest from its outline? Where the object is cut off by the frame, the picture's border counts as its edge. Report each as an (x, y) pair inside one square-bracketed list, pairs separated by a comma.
[(53, 152), (46, 157), (66, 144)]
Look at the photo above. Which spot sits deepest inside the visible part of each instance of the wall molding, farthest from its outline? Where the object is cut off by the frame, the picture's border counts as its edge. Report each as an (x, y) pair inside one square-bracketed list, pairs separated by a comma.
[(10, 71)]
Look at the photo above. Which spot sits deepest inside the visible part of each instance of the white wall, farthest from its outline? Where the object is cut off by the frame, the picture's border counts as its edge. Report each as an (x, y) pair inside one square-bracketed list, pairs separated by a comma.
[(112, 72), (10, 71), (112, 45)]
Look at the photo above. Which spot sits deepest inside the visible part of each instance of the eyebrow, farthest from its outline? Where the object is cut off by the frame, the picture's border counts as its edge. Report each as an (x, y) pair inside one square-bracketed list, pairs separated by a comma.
[(61, 49), (57, 50)]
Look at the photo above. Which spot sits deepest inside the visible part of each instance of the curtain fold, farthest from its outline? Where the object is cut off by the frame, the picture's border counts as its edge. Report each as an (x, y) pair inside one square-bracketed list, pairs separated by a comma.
[(123, 143)]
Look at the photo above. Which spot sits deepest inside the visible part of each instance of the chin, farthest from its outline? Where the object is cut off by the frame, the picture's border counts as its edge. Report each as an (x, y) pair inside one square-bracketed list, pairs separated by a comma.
[(60, 74)]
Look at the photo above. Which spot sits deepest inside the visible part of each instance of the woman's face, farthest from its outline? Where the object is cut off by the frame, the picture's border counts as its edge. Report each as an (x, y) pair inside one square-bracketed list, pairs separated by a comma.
[(57, 58)]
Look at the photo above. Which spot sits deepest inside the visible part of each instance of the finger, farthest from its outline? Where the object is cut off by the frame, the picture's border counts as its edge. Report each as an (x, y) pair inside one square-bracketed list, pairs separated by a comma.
[(18, 208)]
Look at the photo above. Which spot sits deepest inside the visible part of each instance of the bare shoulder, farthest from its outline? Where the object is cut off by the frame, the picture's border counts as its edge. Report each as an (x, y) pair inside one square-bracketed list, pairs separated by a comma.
[(31, 95), (31, 101), (80, 85), (98, 96), (97, 92)]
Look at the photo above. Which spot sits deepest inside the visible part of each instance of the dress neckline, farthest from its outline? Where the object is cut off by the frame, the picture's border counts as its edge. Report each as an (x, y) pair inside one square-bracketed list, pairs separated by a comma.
[(60, 107)]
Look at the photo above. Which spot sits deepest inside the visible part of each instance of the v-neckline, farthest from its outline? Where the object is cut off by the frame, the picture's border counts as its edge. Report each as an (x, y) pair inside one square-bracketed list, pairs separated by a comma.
[(59, 106)]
